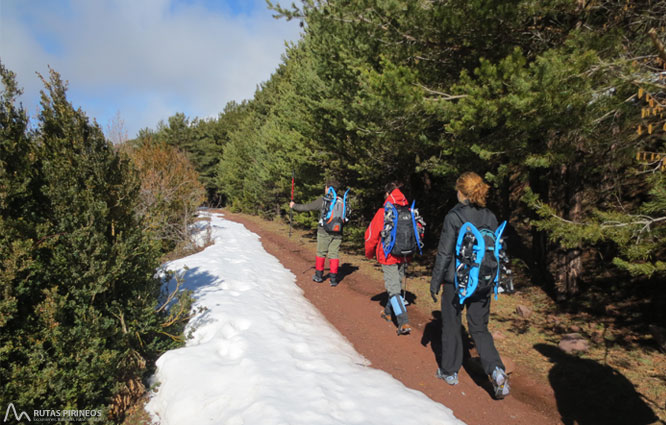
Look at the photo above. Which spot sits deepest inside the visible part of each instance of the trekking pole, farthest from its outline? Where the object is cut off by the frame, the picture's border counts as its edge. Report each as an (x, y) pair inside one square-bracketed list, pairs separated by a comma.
[(291, 211)]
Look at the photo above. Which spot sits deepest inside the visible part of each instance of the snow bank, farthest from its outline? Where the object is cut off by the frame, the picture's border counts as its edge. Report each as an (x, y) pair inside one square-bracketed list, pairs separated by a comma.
[(262, 354)]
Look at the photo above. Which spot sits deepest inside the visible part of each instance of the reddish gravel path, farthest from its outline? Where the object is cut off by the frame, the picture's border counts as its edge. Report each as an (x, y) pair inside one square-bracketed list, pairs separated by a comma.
[(353, 308)]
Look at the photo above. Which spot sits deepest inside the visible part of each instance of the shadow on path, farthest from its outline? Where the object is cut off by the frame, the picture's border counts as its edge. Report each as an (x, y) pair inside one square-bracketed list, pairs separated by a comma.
[(588, 392), (432, 334), (345, 270)]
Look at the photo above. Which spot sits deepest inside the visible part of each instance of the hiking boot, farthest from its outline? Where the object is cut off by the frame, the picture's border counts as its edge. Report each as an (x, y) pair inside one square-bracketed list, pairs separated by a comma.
[(449, 379), (386, 316), (404, 329), (333, 277), (318, 276), (500, 381)]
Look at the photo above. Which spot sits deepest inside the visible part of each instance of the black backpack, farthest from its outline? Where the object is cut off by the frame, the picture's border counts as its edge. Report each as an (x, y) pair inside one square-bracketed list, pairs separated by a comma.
[(403, 230)]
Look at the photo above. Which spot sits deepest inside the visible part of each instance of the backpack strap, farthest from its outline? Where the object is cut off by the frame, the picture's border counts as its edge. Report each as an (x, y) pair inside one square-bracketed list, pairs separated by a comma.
[(390, 207), (498, 246), (416, 230), (334, 196), (344, 205)]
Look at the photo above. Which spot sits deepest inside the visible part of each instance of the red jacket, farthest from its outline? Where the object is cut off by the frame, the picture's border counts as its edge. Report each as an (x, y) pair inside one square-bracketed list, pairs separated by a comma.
[(373, 246)]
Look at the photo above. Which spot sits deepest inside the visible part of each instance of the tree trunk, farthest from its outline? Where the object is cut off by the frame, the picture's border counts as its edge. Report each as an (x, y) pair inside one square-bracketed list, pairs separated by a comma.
[(569, 268), (540, 247), (569, 262)]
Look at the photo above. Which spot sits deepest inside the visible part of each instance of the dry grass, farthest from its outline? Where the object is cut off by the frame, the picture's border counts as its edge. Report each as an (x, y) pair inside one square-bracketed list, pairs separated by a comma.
[(137, 414), (191, 246)]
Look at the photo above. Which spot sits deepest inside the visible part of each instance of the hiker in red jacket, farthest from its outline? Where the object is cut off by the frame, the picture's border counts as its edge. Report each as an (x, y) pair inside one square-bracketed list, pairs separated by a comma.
[(392, 266)]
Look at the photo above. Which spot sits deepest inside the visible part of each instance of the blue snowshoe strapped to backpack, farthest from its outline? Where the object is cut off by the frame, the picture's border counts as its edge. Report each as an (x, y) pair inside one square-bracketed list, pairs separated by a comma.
[(402, 234), (478, 253), (334, 211)]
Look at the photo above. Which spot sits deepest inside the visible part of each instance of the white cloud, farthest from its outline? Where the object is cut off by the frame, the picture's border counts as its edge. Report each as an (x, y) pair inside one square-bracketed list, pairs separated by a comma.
[(146, 59)]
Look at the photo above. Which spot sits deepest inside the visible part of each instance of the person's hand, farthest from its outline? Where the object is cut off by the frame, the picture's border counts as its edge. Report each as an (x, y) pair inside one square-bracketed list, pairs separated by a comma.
[(291, 204), (434, 291)]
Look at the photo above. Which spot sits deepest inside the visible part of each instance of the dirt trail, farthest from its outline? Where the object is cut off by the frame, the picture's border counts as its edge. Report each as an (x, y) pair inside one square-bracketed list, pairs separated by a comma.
[(353, 308)]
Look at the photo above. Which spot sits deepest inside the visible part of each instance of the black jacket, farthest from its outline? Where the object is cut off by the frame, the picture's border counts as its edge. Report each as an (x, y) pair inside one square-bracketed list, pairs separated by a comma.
[(445, 264)]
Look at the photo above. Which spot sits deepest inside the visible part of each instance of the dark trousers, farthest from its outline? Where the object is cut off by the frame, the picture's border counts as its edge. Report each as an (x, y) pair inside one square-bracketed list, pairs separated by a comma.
[(478, 312)]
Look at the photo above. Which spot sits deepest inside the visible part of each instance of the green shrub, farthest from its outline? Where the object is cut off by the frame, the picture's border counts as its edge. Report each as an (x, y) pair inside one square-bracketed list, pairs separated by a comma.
[(79, 318)]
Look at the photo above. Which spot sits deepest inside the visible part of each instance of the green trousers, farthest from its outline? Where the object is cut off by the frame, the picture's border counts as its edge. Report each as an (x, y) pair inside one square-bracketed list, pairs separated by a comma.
[(394, 275), (328, 244)]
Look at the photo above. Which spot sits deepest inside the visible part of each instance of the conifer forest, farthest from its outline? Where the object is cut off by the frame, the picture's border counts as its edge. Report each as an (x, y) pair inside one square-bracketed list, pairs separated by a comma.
[(558, 104)]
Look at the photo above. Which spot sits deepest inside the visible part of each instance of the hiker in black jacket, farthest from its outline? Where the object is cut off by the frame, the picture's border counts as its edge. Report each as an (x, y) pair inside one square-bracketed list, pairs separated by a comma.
[(472, 193), (328, 244)]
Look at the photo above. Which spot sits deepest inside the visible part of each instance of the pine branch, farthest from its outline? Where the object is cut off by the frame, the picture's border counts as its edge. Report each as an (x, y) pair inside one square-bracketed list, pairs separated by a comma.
[(638, 220), (646, 221), (444, 96)]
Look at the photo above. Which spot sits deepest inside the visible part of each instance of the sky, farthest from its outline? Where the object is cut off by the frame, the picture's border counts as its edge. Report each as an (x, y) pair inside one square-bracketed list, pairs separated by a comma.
[(139, 62), (261, 353)]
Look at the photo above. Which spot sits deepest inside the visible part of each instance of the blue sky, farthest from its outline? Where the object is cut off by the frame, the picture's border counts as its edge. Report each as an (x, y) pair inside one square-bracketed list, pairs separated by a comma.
[(143, 60)]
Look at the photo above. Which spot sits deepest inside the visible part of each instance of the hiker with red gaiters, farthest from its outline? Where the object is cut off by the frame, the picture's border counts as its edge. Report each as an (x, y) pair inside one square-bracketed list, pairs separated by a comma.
[(329, 231)]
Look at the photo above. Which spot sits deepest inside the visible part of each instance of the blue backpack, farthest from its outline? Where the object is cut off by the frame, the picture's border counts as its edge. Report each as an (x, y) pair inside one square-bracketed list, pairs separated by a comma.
[(479, 255), (334, 211), (402, 234)]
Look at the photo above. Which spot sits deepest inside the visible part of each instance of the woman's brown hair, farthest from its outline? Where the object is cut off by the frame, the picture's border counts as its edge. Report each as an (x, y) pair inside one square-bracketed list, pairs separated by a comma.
[(471, 185)]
